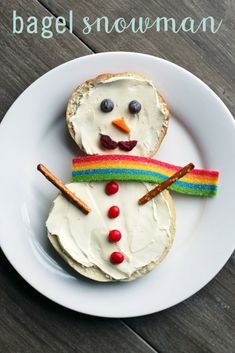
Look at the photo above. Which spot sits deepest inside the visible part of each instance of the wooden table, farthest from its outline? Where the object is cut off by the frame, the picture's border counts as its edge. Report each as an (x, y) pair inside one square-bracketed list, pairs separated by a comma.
[(28, 321)]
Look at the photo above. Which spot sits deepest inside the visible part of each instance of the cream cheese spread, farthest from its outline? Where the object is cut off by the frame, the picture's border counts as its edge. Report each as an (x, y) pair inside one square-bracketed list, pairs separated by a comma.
[(146, 230), (146, 127)]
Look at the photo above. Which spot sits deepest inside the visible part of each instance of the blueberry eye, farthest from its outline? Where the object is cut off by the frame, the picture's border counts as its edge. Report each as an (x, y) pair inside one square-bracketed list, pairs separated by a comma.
[(106, 105), (134, 107)]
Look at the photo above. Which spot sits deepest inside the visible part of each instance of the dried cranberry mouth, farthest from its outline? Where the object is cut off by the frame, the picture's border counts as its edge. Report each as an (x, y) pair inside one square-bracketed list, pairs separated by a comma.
[(109, 144)]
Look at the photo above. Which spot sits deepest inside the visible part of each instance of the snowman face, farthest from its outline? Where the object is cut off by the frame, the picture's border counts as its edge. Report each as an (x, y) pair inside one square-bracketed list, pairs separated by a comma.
[(119, 115)]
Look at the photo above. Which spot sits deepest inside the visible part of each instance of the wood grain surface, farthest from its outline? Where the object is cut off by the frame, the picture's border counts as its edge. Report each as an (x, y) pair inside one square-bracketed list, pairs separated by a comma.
[(31, 323)]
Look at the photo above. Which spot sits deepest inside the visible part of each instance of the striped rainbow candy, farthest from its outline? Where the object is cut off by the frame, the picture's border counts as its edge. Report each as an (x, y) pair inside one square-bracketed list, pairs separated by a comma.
[(198, 182)]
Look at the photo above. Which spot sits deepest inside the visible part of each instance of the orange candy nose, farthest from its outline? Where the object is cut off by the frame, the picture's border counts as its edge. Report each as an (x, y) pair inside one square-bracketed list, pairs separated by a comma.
[(120, 124)]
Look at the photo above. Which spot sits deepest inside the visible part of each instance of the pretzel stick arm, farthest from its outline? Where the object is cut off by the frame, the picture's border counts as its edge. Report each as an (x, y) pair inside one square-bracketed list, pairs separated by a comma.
[(70, 196), (165, 184)]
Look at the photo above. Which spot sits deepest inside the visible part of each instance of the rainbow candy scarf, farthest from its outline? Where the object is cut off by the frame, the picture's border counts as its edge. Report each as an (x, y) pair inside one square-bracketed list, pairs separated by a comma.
[(132, 168)]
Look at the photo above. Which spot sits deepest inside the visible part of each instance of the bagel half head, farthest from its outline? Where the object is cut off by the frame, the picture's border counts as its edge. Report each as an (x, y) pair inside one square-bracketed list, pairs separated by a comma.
[(87, 122)]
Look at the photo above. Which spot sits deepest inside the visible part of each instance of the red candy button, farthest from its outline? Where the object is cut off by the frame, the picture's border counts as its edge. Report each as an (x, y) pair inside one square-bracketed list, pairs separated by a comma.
[(113, 212), (116, 257), (111, 188), (114, 235)]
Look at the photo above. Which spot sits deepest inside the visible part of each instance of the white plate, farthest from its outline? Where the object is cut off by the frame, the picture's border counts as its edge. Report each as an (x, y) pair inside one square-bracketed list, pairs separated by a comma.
[(34, 130)]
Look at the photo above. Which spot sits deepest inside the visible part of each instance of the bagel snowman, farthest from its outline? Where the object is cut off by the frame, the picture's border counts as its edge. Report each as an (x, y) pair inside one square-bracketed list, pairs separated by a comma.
[(119, 121)]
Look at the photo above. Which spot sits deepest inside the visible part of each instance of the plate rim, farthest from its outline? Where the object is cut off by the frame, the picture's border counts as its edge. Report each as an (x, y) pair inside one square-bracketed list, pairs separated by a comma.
[(4, 123)]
